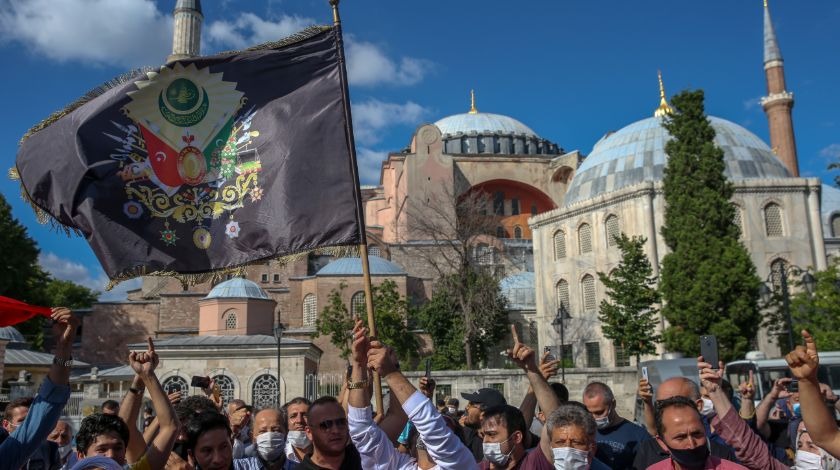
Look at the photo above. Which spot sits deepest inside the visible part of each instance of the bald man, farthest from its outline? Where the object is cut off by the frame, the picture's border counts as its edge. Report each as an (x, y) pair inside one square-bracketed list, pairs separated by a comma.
[(654, 450), (268, 430)]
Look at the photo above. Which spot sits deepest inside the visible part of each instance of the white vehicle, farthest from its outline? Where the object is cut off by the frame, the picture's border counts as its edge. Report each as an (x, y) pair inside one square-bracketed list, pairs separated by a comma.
[(766, 371)]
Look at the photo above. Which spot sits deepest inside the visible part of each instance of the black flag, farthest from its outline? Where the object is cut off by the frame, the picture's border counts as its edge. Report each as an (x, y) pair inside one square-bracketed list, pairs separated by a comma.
[(205, 164)]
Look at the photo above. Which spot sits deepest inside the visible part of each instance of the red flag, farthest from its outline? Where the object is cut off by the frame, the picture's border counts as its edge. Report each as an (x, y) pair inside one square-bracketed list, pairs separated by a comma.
[(14, 311)]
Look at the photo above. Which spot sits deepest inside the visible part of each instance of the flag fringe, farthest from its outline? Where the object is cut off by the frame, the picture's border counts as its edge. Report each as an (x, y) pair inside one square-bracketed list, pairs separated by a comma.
[(339, 251), (43, 217)]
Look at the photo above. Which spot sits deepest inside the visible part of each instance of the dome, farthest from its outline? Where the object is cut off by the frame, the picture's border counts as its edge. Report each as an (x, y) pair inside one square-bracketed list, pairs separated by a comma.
[(636, 154), (482, 122), (237, 288), (11, 334), (353, 267), (519, 291)]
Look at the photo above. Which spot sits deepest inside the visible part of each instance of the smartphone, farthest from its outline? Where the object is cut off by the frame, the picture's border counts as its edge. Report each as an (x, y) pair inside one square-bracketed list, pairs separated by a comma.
[(645, 374), (349, 371), (550, 356), (428, 368), (200, 382), (709, 350), (793, 386)]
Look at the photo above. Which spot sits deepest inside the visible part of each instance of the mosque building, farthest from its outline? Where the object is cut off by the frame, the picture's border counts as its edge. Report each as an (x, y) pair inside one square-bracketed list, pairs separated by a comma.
[(556, 210)]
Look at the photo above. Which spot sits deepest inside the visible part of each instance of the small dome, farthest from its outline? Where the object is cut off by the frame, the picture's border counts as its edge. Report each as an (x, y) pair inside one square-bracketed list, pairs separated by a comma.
[(237, 288), (353, 267), (636, 153), (519, 291), (482, 122), (11, 334)]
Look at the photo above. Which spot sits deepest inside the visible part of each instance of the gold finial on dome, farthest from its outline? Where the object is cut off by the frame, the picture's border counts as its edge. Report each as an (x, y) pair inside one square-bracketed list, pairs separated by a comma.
[(473, 110), (765, 3), (663, 108)]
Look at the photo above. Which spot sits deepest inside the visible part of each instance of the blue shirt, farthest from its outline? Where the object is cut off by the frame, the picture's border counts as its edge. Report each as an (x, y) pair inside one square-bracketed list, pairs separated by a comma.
[(617, 444), (33, 431)]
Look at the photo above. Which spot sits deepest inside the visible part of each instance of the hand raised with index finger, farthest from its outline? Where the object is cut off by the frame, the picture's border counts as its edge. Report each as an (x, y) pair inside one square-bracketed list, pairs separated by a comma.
[(803, 360)]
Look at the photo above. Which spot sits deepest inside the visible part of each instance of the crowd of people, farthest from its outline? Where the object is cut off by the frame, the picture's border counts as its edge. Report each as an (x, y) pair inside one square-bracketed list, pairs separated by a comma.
[(686, 424)]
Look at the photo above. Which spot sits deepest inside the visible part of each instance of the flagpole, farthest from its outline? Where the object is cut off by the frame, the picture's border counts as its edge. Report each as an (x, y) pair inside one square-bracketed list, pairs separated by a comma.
[(363, 252)]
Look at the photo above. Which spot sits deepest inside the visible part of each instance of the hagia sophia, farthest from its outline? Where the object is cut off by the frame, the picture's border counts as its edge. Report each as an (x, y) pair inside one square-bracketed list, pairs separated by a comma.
[(558, 210)]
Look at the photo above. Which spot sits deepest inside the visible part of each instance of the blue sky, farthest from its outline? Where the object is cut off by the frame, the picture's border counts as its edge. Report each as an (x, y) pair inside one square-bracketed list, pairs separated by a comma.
[(570, 70)]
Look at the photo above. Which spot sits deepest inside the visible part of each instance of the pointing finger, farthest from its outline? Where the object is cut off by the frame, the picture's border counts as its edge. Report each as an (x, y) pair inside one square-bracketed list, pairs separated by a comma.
[(514, 334), (810, 345), (151, 345)]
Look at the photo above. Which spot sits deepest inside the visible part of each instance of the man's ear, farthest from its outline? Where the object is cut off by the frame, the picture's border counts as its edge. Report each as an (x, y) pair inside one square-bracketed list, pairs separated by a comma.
[(6, 424), (661, 443), (518, 437)]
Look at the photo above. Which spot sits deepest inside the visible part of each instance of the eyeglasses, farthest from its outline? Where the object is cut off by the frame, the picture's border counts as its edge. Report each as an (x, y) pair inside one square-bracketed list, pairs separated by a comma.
[(327, 424)]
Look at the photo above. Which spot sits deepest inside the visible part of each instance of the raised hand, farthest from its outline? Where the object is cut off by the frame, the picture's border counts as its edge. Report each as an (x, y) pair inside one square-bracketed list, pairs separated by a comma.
[(645, 391), (144, 363), (361, 343), (522, 355), (427, 386), (64, 325), (710, 378), (803, 360), (382, 359), (548, 369), (747, 389), (780, 388)]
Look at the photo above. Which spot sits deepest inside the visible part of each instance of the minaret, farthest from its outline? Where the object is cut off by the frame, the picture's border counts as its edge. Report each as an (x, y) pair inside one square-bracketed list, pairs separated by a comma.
[(186, 35), (778, 102)]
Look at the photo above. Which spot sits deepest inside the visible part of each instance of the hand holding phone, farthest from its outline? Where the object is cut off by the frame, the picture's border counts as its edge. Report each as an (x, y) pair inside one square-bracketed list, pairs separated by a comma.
[(200, 382), (709, 350), (547, 353), (428, 368), (645, 373)]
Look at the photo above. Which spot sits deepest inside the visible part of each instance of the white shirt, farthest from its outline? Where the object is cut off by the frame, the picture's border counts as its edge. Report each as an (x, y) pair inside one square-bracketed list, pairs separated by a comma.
[(378, 452), (290, 452)]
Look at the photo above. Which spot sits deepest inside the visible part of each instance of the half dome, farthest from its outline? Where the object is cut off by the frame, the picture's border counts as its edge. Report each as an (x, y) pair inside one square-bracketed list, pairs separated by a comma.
[(353, 267), (636, 154), (237, 288)]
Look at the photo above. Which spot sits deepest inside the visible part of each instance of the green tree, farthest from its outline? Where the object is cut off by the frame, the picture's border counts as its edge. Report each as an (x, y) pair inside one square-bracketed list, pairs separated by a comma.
[(21, 276), (629, 317), (69, 294), (444, 318), (708, 282), (393, 315)]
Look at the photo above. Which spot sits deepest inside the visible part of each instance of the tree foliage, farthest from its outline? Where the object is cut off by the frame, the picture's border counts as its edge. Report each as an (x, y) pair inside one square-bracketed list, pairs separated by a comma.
[(629, 318), (391, 311), (708, 282), (444, 318)]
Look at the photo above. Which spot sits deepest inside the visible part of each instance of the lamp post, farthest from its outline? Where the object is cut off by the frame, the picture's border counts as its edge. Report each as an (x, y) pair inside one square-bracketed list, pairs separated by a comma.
[(767, 288), (559, 326), (278, 334)]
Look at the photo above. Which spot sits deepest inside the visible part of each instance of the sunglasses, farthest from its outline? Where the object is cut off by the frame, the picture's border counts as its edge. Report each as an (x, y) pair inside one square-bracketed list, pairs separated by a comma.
[(327, 424)]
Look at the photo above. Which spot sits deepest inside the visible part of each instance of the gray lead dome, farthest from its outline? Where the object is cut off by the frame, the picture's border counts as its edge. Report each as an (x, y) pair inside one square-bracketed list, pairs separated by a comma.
[(636, 154)]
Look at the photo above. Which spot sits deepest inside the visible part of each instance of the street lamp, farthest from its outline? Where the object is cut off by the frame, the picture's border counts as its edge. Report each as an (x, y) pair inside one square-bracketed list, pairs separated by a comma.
[(767, 287), (559, 326), (278, 335)]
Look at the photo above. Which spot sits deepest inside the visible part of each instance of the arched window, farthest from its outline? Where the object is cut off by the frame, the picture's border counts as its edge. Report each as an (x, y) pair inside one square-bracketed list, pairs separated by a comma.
[(835, 225), (776, 267), (612, 229), (517, 232), (229, 318), (773, 220), (588, 290), (176, 384), (264, 392), (585, 238), (500, 232), (374, 250), (357, 304), (310, 310), (562, 292), (559, 245), (737, 220), (226, 388)]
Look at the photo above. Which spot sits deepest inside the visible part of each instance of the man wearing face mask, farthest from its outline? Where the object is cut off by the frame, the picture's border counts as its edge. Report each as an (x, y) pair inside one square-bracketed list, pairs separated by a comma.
[(62, 435), (617, 437), (269, 435), (570, 432), (298, 445), (680, 429)]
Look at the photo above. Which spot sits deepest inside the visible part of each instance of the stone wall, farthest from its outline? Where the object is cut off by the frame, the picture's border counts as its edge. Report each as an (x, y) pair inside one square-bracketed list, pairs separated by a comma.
[(110, 327), (179, 312)]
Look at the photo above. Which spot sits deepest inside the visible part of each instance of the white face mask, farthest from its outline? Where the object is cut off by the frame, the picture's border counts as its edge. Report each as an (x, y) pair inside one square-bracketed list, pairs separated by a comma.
[(568, 458), (602, 423), (270, 445), (493, 452), (708, 408), (451, 410), (298, 439), (807, 461)]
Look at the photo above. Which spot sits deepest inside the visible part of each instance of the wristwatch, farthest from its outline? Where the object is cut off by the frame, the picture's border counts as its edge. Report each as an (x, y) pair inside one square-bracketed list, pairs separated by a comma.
[(357, 385), (63, 362)]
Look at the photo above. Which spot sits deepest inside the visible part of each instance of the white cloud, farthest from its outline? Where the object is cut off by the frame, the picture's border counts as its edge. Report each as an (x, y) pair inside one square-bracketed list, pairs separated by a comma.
[(126, 33), (369, 162), (367, 65), (752, 103), (249, 30), (67, 270), (371, 117), (831, 152)]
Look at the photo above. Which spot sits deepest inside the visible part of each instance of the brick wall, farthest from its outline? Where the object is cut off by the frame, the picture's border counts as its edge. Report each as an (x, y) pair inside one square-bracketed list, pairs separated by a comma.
[(109, 327)]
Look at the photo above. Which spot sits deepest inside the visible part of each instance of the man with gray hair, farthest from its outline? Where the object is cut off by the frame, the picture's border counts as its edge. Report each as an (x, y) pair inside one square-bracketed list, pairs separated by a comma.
[(617, 437), (571, 433)]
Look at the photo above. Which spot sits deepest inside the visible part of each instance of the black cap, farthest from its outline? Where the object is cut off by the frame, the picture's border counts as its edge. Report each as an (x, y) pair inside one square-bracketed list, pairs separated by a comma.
[(486, 397)]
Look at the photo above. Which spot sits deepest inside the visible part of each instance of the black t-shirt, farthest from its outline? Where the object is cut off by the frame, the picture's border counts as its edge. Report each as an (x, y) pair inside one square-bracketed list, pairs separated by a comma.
[(352, 461), (617, 444), (474, 443)]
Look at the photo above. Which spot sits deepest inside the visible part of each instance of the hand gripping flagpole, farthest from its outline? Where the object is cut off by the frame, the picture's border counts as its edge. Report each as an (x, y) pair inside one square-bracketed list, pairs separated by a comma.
[(363, 252)]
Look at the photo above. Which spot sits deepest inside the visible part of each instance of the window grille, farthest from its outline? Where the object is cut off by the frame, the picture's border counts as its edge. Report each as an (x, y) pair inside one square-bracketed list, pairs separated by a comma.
[(593, 354), (773, 220), (588, 287), (264, 392), (230, 320), (776, 268), (175, 384), (613, 230), (559, 245), (357, 304), (310, 310), (375, 251), (226, 388), (585, 238), (517, 232), (500, 232), (621, 357), (562, 290)]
